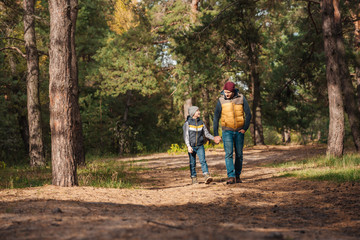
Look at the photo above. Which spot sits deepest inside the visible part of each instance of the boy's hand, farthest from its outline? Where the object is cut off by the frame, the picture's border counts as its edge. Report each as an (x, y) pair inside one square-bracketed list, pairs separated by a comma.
[(190, 150), (217, 139)]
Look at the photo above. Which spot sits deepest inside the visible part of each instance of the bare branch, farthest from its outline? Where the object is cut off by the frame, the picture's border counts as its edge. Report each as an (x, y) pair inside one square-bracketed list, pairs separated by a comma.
[(312, 19), (14, 49), (17, 39)]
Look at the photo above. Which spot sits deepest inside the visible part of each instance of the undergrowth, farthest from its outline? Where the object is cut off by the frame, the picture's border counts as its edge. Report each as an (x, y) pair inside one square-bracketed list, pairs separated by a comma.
[(343, 169), (99, 172)]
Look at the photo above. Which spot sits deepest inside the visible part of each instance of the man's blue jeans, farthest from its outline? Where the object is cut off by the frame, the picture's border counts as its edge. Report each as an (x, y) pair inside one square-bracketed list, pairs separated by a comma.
[(233, 139), (200, 151)]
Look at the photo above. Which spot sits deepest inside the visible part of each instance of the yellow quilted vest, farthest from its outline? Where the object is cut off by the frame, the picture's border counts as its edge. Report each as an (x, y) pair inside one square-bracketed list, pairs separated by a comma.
[(232, 113)]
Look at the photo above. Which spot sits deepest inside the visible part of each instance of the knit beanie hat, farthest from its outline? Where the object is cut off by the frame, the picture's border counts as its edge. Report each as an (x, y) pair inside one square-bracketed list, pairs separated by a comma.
[(192, 110), (230, 86)]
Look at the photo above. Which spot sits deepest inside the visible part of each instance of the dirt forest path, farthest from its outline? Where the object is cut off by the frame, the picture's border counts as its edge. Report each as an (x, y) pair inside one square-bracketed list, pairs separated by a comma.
[(167, 206)]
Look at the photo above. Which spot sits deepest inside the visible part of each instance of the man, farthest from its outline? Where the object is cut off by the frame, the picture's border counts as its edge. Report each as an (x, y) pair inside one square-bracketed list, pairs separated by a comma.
[(234, 111)]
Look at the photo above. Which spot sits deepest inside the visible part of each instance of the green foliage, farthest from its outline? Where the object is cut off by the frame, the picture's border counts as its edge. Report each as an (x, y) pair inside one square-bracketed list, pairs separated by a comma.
[(2, 164), (133, 85), (271, 136), (176, 149), (127, 63), (294, 72)]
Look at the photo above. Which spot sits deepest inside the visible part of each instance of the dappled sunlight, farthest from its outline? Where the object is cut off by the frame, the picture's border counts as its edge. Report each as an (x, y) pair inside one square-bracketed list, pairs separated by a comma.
[(165, 205)]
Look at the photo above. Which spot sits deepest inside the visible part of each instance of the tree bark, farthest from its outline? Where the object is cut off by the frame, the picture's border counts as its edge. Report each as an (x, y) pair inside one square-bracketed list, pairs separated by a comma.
[(255, 82), (79, 141), (61, 89), (356, 20), (123, 129), (36, 144), (286, 135), (351, 107), (22, 118), (187, 105), (335, 145), (193, 16), (194, 10)]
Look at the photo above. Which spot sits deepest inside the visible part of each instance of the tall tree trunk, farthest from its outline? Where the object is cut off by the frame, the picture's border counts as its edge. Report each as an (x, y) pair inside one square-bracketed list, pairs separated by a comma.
[(286, 135), (351, 107), (22, 118), (36, 144), (205, 111), (123, 129), (24, 130), (194, 10), (356, 19), (255, 82), (62, 102), (193, 16), (187, 105), (335, 145), (79, 141)]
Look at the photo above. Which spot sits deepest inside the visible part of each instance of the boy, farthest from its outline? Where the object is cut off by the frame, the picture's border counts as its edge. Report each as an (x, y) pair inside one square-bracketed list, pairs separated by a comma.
[(194, 132)]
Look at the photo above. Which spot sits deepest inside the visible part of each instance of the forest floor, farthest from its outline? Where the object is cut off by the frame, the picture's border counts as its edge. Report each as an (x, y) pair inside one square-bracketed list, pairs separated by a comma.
[(167, 206)]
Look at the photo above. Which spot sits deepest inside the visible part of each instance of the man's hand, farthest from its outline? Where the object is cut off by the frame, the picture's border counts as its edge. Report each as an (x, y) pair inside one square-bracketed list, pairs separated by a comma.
[(217, 139), (190, 150), (242, 131)]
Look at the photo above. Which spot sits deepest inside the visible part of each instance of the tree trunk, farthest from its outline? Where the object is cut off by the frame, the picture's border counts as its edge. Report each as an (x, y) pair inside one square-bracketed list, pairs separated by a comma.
[(356, 19), (61, 89), (36, 144), (123, 129), (193, 16), (255, 82), (187, 105), (205, 111), (79, 141), (335, 145), (286, 135), (194, 10), (351, 107), (22, 118), (24, 130)]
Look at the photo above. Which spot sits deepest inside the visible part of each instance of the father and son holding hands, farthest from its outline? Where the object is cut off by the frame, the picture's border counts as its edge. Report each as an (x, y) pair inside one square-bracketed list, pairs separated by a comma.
[(233, 112)]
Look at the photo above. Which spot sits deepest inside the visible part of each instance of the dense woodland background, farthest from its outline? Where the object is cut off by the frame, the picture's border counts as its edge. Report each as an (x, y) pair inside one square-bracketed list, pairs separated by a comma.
[(140, 64)]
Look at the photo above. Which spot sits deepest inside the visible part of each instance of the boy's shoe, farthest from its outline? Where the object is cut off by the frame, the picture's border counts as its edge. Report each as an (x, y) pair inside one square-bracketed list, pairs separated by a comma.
[(238, 180), (231, 180), (194, 180), (208, 178)]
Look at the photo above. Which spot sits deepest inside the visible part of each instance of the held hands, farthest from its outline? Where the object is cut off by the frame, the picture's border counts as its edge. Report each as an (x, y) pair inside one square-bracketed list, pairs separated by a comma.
[(217, 139), (190, 150), (242, 131)]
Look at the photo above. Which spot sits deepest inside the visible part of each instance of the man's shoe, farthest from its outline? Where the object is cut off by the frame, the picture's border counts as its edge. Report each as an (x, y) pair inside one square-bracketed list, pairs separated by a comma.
[(194, 180), (238, 180), (231, 180), (208, 179)]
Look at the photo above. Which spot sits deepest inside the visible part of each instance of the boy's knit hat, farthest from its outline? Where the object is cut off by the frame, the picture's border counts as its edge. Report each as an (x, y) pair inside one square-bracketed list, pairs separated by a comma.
[(192, 110), (230, 86)]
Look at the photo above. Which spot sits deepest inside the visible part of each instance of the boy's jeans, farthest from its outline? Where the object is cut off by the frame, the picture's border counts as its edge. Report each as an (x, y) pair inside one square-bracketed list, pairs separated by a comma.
[(200, 151), (231, 139)]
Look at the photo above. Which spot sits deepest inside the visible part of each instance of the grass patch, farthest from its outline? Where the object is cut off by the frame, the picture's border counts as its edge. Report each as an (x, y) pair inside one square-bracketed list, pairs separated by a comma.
[(323, 168), (186, 168), (24, 176), (99, 172), (109, 173)]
